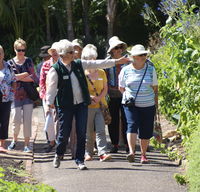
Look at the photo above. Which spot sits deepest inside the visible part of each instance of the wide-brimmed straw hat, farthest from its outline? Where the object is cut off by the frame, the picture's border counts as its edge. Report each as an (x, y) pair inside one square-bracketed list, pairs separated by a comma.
[(138, 50), (115, 41), (44, 51), (77, 42), (54, 46)]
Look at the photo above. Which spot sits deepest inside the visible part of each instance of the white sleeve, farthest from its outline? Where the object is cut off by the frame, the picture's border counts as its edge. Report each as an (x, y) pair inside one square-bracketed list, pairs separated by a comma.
[(51, 86), (98, 64), (121, 80), (155, 80)]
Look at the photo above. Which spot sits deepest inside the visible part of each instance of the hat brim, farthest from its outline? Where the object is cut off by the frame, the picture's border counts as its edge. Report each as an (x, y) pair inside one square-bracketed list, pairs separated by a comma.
[(116, 44), (44, 55), (139, 53)]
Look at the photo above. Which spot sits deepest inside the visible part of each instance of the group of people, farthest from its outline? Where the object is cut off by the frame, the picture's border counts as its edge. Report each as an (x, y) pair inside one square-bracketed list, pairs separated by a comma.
[(73, 87)]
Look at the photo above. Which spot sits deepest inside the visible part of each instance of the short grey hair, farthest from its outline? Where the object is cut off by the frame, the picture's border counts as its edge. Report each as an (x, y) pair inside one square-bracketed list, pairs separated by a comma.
[(89, 52), (64, 47)]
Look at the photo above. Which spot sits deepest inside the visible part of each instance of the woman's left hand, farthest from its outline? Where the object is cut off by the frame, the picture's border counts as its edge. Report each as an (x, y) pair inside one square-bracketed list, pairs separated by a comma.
[(122, 60)]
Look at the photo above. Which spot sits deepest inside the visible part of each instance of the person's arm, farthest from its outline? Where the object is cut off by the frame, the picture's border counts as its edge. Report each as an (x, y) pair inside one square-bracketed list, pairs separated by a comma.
[(42, 80), (121, 81), (103, 64), (155, 87), (21, 76)]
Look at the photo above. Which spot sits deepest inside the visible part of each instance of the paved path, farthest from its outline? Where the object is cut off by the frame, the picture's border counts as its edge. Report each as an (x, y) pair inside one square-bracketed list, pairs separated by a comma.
[(115, 176)]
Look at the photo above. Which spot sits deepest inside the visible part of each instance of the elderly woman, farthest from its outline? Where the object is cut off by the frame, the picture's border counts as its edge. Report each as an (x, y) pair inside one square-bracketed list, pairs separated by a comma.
[(115, 51), (67, 85), (7, 86), (49, 122), (138, 83), (97, 85), (22, 107)]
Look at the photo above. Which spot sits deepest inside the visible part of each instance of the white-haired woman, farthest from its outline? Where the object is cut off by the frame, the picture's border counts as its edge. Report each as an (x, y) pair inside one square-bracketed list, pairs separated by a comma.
[(50, 121), (67, 86), (97, 85), (138, 83)]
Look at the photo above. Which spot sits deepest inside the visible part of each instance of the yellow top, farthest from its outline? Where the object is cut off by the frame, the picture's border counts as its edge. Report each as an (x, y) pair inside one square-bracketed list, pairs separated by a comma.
[(99, 85)]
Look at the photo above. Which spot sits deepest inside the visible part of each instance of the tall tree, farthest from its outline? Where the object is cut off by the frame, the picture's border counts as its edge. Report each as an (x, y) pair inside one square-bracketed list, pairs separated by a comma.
[(46, 11), (85, 5), (70, 29)]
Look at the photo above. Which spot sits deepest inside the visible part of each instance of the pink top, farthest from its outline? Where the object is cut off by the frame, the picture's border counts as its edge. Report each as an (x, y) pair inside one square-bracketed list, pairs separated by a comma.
[(43, 75)]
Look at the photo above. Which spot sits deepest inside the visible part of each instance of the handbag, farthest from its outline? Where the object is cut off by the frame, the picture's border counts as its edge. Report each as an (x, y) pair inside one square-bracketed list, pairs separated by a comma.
[(157, 130), (104, 109), (29, 87)]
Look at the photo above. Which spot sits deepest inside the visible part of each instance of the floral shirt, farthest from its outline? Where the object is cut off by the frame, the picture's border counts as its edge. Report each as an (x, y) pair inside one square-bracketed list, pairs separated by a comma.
[(43, 75), (21, 97), (6, 83)]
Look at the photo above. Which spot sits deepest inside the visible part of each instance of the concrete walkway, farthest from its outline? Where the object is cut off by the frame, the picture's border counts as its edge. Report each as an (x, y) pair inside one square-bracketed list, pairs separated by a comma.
[(116, 175)]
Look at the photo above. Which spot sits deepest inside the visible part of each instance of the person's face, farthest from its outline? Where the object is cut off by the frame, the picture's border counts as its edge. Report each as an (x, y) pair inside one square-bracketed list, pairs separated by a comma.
[(140, 58), (69, 55), (1, 55), (20, 50), (117, 51), (77, 52), (54, 55)]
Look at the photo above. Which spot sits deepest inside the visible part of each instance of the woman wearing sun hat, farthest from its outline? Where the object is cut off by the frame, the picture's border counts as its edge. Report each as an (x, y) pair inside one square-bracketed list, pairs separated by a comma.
[(115, 51), (139, 86)]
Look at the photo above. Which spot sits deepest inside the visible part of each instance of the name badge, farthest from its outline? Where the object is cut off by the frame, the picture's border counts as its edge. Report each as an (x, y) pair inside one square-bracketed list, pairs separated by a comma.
[(100, 78), (65, 77)]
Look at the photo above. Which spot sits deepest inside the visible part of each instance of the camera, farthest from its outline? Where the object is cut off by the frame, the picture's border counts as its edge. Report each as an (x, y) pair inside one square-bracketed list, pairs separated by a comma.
[(130, 102)]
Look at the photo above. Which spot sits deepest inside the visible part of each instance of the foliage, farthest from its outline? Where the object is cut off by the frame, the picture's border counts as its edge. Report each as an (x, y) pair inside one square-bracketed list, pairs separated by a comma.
[(181, 179), (193, 172)]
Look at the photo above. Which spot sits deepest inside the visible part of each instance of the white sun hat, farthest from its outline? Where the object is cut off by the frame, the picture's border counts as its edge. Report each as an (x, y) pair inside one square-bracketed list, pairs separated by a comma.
[(138, 50), (78, 42), (64, 46), (115, 41), (54, 46)]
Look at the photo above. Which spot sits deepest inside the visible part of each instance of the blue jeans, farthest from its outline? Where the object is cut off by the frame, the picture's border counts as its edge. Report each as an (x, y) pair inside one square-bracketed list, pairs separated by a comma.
[(65, 117)]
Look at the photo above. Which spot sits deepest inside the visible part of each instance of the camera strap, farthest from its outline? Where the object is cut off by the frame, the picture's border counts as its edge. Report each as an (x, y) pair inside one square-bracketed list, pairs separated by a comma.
[(141, 81)]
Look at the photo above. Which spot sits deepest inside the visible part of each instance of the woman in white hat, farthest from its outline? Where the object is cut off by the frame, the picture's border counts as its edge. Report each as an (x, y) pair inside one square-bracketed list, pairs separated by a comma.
[(49, 122), (67, 86), (139, 86), (116, 50), (78, 46)]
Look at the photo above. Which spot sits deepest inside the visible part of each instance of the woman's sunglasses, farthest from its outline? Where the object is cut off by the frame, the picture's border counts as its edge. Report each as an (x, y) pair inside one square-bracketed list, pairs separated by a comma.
[(118, 47), (20, 50)]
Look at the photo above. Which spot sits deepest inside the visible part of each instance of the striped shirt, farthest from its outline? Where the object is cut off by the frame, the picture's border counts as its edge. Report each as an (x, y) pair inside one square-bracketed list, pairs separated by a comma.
[(129, 78)]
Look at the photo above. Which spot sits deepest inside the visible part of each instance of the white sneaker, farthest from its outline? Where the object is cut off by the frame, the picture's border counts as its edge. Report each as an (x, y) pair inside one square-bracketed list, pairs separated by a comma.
[(27, 149), (56, 161), (82, 166)]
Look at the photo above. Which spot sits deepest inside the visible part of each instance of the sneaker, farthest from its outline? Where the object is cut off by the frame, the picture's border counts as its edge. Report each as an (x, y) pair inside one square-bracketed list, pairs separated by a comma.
[(105, 157), (88, 158), (27, 149), (56, 161), (12, 146), (82, 166), (130, 157), (49, 148), (114, 149), (143, 159)]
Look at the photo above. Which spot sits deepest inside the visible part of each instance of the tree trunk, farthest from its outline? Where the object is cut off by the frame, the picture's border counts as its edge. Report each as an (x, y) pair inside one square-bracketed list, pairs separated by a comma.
[(70, 29), (111, 12), (48, 31), (85, 5)]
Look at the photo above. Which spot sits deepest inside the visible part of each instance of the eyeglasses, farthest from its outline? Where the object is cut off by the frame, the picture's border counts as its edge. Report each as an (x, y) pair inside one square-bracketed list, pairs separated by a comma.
[(20, 50), (142, 55), (71, 52), (118, 47)]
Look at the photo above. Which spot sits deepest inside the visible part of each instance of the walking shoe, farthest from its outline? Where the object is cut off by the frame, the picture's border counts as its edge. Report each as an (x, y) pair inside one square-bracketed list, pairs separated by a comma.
[(56, 161), (114, 149), (130, 157), (105, 157), (49, 148), (12, 146), (143, 159), (88, 158), (81, 166), (27, 149)]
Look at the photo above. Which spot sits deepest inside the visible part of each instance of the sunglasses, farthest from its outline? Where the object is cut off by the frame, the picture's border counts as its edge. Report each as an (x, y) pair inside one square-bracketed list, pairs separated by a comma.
[(20, 50), (142, 55), (71, 52), (118, 47)]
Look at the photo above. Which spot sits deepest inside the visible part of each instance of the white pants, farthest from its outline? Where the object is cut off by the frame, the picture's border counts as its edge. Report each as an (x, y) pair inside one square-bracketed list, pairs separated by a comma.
[(25, 113), (50, 124)]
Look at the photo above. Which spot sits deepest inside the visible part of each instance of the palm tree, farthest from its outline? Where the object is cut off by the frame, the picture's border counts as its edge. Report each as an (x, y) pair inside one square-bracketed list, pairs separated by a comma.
[(70, 28)]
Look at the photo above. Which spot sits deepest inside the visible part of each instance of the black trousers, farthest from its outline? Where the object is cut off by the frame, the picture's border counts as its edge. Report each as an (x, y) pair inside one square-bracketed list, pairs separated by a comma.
[(4, 119), (117, 114)]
